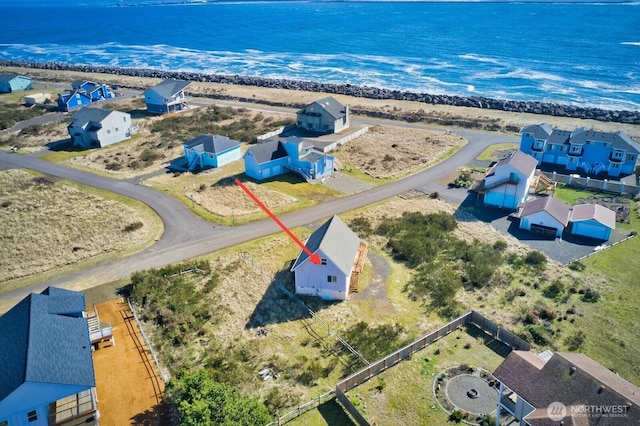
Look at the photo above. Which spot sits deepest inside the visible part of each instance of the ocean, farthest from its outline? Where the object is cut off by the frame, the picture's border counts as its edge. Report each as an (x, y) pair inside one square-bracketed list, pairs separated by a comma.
[(585, 54)]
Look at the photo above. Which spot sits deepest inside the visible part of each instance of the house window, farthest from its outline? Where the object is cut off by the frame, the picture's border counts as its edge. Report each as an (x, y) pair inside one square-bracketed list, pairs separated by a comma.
[(630, 157), (32, 416), (563, 148), (573, 160), (124, 119), (323, 261), (117, 130), (615, 166), (617, 154), (552, 147), (108, 131), (332, 279), (574, 149)]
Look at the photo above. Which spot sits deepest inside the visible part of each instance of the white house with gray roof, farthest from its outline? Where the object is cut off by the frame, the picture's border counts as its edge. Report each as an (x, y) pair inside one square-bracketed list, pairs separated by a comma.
[(506, 184), (97, 128), (46, 364), (342, 257), (168, 96), (325, 115), (546, 216)]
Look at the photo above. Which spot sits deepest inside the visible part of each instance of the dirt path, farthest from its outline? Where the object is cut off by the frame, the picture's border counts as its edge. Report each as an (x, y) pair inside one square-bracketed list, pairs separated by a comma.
[(376, 291), (129, 387)]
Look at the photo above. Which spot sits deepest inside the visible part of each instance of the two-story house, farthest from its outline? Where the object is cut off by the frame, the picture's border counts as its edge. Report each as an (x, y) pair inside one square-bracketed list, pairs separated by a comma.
[(97, 128), (610, 154), (506, 184), (168, 96), (325, 115)]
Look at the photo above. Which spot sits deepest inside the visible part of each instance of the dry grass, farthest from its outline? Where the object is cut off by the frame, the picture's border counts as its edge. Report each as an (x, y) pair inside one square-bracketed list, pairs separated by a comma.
[(48, 224), (391, 151)]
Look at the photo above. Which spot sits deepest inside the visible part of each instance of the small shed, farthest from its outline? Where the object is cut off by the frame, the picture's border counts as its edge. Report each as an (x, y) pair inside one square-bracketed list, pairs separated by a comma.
[(36, 98), (593, 221), (211, 151), (11, 82), (546, 216)]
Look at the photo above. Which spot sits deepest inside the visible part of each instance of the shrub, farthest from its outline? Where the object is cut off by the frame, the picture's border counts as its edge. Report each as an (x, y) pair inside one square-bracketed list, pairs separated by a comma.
[(133, 227), (575, 341), (590, 295), (114, 166), (553, 290), (577, 266), (455, 416), (536, 259)]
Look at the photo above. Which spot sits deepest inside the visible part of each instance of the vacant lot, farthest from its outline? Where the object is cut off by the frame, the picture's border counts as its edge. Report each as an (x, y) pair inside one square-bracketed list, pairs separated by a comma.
[(49, 224)]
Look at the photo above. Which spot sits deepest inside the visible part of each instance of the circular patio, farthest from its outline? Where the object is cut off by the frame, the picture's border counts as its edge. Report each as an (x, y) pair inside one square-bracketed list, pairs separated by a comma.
[(472, 394)]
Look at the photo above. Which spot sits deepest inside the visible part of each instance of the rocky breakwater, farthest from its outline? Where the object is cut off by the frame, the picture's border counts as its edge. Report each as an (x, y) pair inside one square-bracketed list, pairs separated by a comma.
[(543, 108)]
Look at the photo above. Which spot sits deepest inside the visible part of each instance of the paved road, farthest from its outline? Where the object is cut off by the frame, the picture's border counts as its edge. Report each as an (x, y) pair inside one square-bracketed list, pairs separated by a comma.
[(187, 236)]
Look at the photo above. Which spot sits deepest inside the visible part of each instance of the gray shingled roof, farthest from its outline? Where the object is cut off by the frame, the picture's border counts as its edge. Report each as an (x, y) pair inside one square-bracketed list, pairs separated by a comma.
[(539, 131), (337, 242), (595, 212), (559, 137), (214, 144), (331, 106), (569, 378), (522, 162), (169, 88), (269, 150), (43, 342), (556, 208), (88, 115)]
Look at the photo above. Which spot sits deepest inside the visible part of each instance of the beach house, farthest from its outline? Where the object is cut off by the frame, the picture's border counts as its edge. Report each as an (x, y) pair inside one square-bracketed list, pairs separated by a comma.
[(12, 82), (206, 151), (325, 115), (168, 96), (274, 157), (563, 388), (83, 93), (506, 184), (342, 257), (46, 364), (589, 152), (97, 128)]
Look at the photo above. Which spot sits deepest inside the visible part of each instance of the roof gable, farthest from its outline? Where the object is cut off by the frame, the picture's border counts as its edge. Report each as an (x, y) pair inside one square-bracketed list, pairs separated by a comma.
[(169, 88), (596, 212), (551, 205), (538, 131), (520, 161), (336, 241), (210, 143), (45, 340), (269, 150)]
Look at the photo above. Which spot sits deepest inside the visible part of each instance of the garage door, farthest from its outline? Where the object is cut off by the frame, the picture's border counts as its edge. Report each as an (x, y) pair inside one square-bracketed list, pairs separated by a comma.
[(546, 231)]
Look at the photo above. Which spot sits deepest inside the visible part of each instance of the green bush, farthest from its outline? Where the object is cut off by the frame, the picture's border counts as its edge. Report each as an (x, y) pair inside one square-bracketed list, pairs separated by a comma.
[(455, 416), (536, 259), (133, 227)]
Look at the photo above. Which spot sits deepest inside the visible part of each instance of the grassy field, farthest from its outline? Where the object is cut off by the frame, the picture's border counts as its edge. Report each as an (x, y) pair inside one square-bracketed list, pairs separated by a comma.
[(52, 227)]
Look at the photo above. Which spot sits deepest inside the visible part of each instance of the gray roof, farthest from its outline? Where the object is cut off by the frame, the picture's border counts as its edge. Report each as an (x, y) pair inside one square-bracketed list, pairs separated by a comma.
[(595, 212), (89, 115), (559, 136), (617, 139), (169, 88), (214, 144), (331, 106), (554, 207), (539, 131), (572, 379), (9, 77), (77, 84), (269, 150), (336, 241), (522, 162), (43, 340)]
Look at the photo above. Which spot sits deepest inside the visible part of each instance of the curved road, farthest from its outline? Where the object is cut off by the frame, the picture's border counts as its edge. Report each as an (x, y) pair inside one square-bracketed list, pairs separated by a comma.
[(187, 236)]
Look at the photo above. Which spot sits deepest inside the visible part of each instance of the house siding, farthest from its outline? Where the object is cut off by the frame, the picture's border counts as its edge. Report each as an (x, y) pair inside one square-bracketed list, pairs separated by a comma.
[(591, 228), (312, 280), (114, 128), (541, 218), (14, 84)]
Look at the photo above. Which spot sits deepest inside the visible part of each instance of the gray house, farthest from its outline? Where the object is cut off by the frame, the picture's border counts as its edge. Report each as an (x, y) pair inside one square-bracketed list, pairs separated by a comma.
[(168, 96), (325, 115), (342, 257), (97, 128)]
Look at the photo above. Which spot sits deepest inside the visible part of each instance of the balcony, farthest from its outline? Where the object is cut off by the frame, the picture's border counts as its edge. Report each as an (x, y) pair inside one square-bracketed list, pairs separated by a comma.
[(616, 158), (537, 147), (576, 152)]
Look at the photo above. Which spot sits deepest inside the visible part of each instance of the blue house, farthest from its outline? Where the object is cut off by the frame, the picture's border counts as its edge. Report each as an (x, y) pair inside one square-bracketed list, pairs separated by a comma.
[(507, 183), (275, 157), (206, 151), (94, 91), (83, 93), (46, 364), (12, 82), (611, 154), (168, 96), (593, 221)]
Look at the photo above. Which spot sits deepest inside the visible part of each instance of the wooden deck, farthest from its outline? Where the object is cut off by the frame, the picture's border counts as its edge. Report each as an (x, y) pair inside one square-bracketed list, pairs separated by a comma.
[(358, 265)]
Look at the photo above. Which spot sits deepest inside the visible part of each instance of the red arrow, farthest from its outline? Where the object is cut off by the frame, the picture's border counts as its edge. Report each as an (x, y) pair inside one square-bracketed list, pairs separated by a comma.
[(313, 257)]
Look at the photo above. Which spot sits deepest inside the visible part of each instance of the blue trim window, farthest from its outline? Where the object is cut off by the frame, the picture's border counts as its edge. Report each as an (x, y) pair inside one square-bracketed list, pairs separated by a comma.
[(32, 416)]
